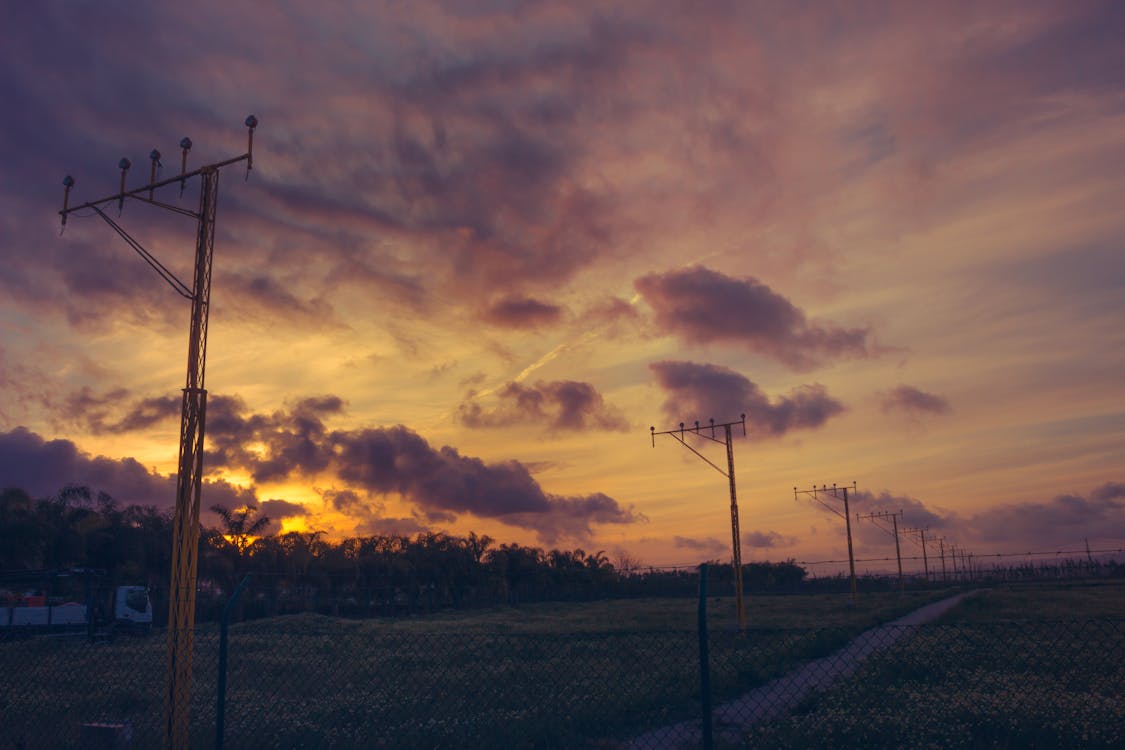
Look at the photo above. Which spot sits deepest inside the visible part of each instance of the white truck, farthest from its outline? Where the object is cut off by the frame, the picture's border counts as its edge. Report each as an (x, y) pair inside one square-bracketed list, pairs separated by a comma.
[(130, 610)]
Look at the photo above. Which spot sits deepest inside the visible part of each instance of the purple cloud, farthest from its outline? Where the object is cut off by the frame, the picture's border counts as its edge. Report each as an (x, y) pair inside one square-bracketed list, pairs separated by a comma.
[(718, 392), (42, 467), (279, 509), (767, 540), (561, 405), (521, 312), (380, 461), (709, 544), (908, 399), (1064, 519), (702, 306)]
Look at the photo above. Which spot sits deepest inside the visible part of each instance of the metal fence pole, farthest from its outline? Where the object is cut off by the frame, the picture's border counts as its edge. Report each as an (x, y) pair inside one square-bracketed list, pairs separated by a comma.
[(704, 662), (221, 698)]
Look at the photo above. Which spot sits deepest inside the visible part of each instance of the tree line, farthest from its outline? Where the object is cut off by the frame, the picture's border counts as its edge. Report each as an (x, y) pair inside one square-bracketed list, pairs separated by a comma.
[(380, 574)]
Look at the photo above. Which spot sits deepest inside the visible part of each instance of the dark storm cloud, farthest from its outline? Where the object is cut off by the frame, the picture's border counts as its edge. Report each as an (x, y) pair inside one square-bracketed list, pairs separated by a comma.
[(711, 391), (560, 405), (42, 467), (521, 312), (396, 460), (701, 306), (906, 398)]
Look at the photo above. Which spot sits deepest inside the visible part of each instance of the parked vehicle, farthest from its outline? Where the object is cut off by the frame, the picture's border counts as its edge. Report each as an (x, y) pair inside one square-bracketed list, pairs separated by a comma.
[(100, 611)]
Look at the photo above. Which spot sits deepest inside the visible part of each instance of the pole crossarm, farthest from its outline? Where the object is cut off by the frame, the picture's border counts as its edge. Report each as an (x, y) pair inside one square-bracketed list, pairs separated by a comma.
[(728, 442), (698, 429), (876, 519), (816, 493), (916, 535), (66, 211)]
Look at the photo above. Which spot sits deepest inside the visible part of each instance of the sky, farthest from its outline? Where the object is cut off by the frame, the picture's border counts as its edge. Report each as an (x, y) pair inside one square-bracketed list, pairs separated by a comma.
[(486, 246)]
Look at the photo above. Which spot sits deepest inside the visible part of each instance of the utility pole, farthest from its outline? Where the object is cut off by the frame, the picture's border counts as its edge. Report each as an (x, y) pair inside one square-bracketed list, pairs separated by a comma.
[(921, 534), (875, 519), (727, 441), (941, 543), (185, 525), (834, 493)]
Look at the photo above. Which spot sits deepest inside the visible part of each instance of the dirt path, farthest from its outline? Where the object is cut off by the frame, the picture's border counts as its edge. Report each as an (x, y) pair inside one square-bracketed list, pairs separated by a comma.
[(783, 694)]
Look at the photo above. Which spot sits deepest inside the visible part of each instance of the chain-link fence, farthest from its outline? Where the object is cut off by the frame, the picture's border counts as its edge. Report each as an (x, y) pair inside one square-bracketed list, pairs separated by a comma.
[(321, 683)]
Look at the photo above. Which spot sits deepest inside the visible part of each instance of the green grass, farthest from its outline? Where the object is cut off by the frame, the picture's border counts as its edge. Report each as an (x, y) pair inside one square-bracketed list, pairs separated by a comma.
[(1064, 601), (1027, 667), (542, 675)]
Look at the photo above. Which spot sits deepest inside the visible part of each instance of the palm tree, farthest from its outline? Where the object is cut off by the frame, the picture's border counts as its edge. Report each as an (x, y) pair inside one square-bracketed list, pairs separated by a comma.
[(238, 529)]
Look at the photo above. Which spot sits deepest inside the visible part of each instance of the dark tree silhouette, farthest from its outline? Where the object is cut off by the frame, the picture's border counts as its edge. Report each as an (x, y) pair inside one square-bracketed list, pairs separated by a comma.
[(238, 528)]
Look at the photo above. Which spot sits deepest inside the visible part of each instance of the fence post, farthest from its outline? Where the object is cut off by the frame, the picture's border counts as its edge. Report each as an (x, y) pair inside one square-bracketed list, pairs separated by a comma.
[(221, 698), (704, 662)]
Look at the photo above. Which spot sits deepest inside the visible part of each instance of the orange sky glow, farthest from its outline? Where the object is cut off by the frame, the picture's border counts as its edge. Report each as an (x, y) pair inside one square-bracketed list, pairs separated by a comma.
[(485, 246)]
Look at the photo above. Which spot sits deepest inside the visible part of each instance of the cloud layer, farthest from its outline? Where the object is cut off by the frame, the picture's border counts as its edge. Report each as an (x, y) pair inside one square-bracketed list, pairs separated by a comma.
[(559, 405), (912, 401), (440, 482), (701, 306), (706, 390)]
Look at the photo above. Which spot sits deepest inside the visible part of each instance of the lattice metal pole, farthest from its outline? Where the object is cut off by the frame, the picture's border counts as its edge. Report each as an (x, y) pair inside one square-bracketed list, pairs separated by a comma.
[(185, 552), (185, 525)]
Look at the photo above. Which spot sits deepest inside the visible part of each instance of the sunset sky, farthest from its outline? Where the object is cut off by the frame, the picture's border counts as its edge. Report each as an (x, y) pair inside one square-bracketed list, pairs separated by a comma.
[(486, 245)]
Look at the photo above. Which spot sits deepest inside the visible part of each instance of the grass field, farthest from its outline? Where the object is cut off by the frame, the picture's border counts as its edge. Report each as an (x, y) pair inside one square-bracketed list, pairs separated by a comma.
[(544, 675), (1026, 667)]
